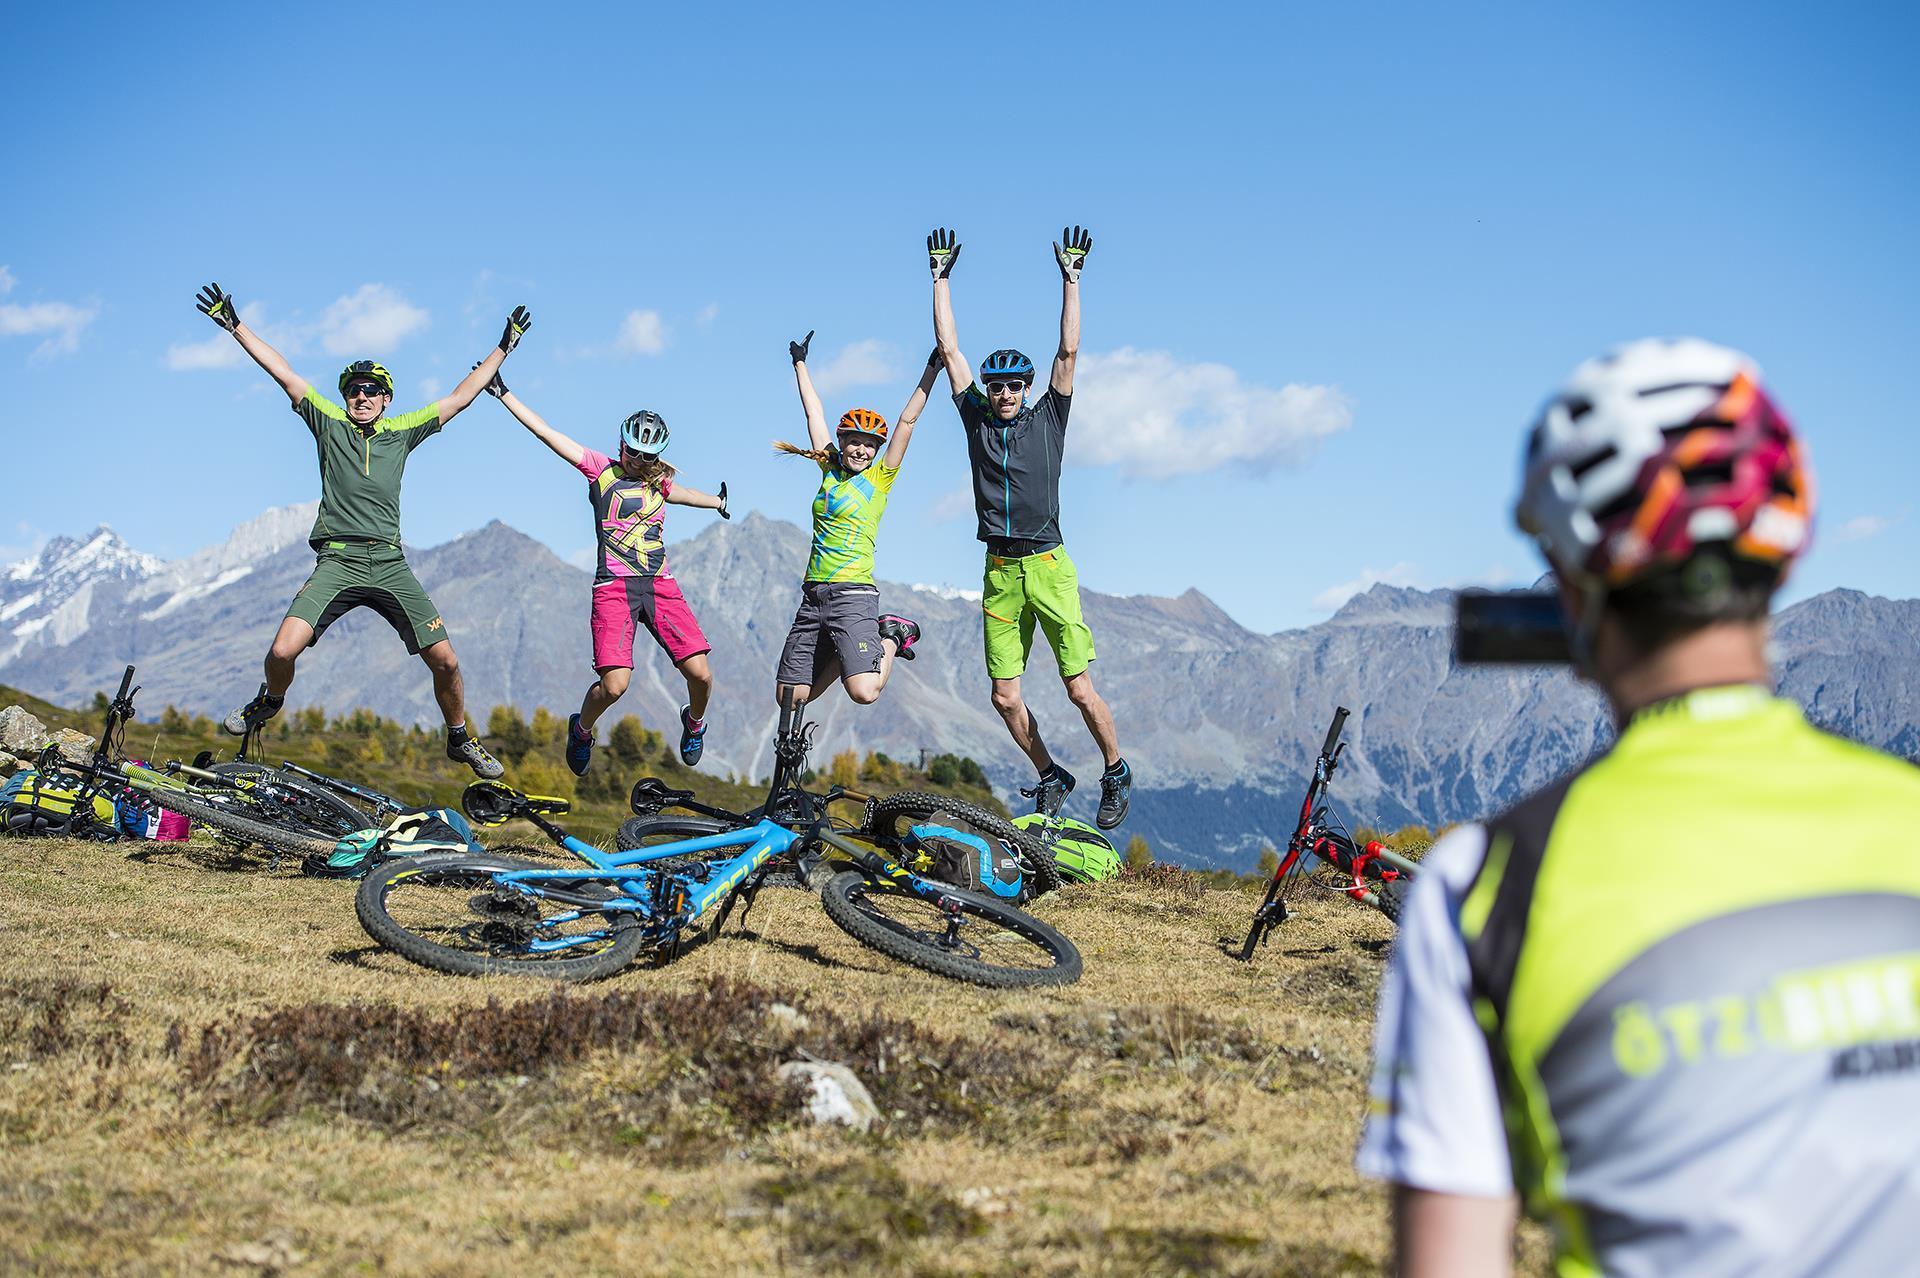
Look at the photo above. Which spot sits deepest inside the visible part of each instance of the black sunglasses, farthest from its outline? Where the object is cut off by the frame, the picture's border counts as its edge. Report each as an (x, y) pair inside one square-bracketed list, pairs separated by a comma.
[(368, 389)]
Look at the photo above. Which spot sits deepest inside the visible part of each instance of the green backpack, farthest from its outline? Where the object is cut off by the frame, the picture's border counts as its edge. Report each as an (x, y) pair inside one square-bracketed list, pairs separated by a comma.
[(1083, 854)]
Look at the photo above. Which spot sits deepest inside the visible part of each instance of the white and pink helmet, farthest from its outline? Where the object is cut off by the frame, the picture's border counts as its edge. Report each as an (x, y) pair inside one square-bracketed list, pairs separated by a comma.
[(1659, 449)]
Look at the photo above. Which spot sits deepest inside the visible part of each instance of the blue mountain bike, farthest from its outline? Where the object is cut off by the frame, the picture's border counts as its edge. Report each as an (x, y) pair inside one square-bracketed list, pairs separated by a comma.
[(482, 914)]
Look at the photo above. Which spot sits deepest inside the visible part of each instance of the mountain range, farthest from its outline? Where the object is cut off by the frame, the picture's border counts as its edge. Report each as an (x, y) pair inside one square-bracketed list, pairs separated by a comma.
[(1221, 723)]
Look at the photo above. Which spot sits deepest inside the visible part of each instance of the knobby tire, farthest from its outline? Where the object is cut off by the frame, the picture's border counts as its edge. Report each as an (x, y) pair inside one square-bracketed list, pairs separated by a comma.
[(912, 805), (248, 825), (854, 902)]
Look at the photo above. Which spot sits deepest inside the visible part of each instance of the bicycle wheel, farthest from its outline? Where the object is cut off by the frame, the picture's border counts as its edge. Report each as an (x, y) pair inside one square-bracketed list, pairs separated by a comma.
[(893, 814), (980, 940), (293, 802), (651, 831), (240, 819), (1392, 898), (447, 912)]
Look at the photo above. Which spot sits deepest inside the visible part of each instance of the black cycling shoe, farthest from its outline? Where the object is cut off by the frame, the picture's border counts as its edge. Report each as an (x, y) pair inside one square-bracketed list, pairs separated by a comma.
[(1116, 785), (903, 632), (466, 748), (1050, 791), (252, 714)]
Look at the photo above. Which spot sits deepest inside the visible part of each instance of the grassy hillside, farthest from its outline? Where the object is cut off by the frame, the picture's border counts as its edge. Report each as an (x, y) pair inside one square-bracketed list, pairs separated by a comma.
[(217, 1072)]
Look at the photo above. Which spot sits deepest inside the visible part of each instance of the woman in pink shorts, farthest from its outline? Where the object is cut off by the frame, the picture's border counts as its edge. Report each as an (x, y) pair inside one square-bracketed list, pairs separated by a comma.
[(632, 586)]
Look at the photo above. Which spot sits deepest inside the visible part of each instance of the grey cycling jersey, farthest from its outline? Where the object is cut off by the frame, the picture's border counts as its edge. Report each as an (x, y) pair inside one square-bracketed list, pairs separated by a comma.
[(1016, 467)]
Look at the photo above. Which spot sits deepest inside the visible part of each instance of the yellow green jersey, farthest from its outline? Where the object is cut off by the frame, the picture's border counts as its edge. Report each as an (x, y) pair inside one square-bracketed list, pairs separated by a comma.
[(846, 520), (360, 470)]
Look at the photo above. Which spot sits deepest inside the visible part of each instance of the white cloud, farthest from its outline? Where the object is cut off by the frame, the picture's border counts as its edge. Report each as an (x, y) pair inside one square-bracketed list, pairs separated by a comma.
[(1864, 527), (864, 363), (59, 322), (952, 505), (221, 351), (430, 388), (369, 322), (1150, 414), (708, 314), (1401, 574), (6, 281), (641, 333)]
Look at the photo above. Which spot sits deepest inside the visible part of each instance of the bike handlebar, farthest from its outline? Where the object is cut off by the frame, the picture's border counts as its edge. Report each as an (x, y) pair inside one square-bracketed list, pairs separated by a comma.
[(1333, 732)]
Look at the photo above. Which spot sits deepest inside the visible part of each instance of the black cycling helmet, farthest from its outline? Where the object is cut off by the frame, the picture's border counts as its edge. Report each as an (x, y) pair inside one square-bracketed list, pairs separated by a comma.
[(1005, 365)]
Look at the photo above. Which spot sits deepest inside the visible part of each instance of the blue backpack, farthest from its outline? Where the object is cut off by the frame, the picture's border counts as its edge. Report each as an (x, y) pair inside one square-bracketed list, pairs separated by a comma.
[(413, 833), (968, 860)]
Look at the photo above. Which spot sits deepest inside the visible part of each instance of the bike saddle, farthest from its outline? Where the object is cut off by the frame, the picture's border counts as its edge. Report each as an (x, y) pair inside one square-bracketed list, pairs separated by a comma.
[(650, 794), (492, 802)]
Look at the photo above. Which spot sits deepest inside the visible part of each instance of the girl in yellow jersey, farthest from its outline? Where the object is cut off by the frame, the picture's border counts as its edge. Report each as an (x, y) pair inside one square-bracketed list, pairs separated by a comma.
[(839, 632)]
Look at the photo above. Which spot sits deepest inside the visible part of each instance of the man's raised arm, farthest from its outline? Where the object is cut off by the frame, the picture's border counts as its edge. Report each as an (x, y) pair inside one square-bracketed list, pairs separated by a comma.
[(1078, 242), (942, 252), (473, 383), (218, 305)]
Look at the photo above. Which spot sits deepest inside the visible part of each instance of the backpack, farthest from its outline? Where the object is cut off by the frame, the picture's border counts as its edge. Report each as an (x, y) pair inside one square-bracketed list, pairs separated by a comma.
[(412, 833), (1082, 853), (968, 860), (34, 805)]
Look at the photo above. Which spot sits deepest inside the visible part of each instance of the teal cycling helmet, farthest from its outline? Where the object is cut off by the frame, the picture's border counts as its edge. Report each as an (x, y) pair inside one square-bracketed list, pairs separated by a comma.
[(645, 433), (1083, 854)]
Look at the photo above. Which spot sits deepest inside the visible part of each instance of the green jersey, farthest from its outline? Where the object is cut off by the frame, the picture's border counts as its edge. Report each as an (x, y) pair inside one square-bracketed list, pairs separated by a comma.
[(360, 470), (846, 518)]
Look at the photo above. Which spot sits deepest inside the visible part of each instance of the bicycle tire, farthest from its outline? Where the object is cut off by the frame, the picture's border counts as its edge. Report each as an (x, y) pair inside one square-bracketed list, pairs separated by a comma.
[(1390, 898), (850, 899), (916, 805), (646, 831), (311, 808), (248, 825), (465, 872)]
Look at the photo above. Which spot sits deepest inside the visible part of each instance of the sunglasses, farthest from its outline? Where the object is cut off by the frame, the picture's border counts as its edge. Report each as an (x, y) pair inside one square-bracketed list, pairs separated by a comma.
[(1007, 388), (368, 390)]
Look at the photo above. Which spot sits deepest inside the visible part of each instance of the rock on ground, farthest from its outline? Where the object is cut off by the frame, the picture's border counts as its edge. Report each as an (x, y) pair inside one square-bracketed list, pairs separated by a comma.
[(835, 1093), (21, 732)]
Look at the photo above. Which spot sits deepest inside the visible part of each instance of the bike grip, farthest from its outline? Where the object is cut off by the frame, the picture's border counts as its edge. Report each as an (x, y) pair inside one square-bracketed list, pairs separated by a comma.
[(125, 680), (1333, 732)]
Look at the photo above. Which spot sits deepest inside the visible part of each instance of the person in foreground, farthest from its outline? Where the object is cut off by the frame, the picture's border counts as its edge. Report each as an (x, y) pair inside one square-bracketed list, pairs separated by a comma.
[(1015, 449), (632, 585), (356, 535), (839, 632), (1685, 978)]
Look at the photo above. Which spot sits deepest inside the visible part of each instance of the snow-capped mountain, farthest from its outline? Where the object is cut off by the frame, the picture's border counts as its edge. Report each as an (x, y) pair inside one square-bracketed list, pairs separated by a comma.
[(217, 567), (53, 593)]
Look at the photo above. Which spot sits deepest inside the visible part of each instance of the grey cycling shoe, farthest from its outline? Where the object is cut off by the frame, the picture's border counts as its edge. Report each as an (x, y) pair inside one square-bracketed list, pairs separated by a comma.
[(463, 747)]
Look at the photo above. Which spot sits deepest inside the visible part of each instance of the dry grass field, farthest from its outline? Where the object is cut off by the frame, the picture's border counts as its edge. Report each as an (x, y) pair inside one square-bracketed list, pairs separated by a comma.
[(214, 1071)]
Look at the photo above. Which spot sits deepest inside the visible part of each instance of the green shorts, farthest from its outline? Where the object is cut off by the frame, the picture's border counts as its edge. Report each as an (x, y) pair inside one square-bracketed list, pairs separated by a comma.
[(1040, 589), (368, 574)]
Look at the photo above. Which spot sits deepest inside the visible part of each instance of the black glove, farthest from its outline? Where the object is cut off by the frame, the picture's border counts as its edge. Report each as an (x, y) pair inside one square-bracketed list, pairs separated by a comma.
[(942, 253), (496, 387), (517, 325), (1074, 256), (724, 512), (799, 349), (218, 307)]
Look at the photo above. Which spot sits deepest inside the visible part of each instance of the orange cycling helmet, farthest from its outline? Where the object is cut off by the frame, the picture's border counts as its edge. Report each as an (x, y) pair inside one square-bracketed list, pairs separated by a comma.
[(863, 421)]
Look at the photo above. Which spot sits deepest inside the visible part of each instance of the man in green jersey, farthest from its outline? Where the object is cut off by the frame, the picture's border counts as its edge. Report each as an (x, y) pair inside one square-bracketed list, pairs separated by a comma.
[(356, 535), (1674, 999)]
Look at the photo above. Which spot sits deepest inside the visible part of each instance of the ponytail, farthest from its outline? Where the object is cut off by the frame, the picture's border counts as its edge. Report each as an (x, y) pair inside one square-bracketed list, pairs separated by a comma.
[(828, 456)]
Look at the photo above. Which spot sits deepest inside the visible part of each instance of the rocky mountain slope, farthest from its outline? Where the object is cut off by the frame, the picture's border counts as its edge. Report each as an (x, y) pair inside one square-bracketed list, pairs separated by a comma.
[(1219, 722)]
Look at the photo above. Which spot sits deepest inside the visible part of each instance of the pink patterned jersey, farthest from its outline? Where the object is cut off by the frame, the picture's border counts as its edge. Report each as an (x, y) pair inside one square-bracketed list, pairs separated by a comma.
[(628, 517)]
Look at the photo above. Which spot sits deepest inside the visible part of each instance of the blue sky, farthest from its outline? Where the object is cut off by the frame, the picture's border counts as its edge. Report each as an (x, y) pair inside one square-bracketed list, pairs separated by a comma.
[(1419, 216)]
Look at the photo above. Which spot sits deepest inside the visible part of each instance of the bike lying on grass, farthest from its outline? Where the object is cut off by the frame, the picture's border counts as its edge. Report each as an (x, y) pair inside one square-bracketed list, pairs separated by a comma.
[(1373, 875), (481, 914)]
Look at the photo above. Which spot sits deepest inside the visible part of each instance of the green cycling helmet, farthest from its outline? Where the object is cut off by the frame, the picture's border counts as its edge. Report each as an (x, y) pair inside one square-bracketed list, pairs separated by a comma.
[(1083, 854), (368, 369)]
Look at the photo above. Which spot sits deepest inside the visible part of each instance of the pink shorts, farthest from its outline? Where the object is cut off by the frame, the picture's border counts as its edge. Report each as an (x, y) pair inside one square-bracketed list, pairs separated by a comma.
[(622, 606)]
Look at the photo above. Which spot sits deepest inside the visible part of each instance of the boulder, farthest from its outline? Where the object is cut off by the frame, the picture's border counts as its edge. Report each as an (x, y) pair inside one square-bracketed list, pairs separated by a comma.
[(10, 765), (77, 746), (21, 733), (835, 1093)]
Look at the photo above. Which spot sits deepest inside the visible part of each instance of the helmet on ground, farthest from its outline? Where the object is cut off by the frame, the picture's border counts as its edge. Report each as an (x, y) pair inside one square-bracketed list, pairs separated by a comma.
[(366, 368), (863, 421), (1664, 467), (645, 432), (1005, 365), (1083, 854)]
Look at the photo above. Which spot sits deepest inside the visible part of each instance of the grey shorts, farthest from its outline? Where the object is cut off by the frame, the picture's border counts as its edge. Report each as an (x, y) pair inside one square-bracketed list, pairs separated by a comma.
[(847, 615)]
